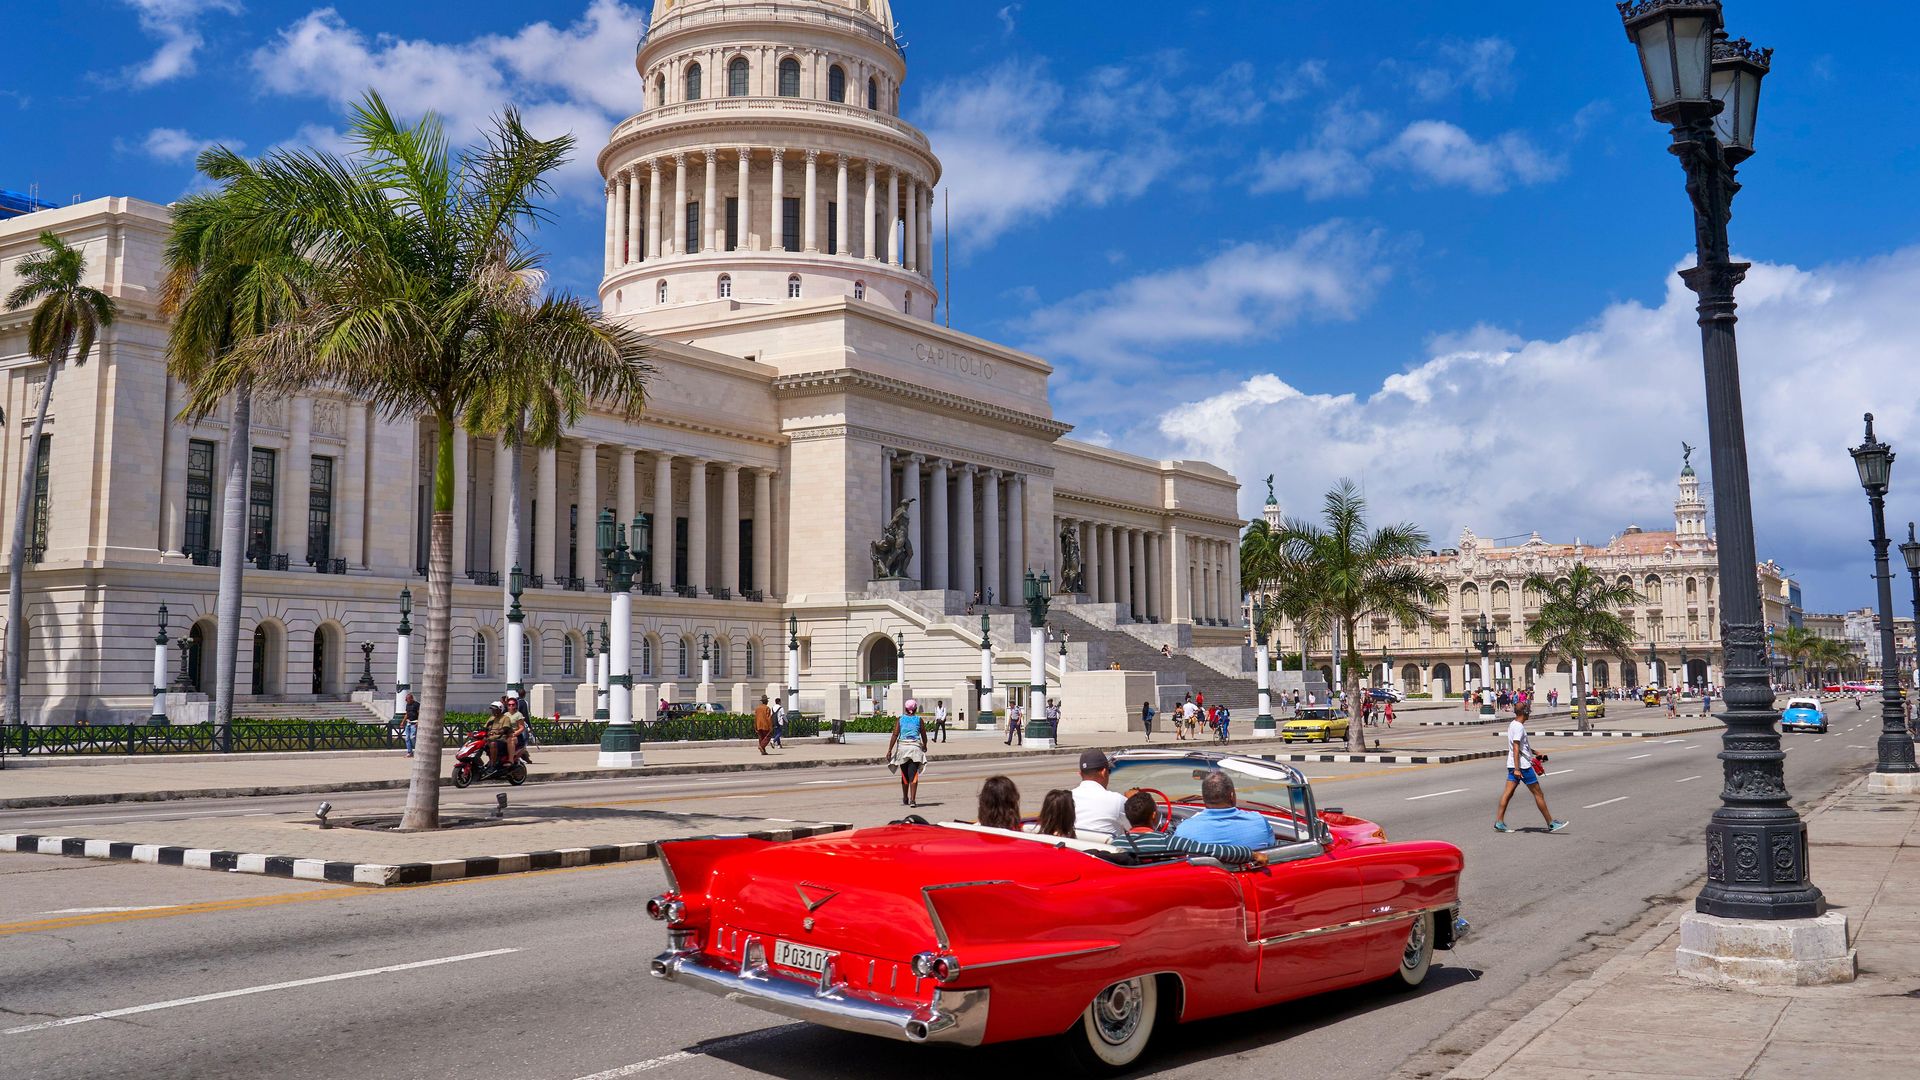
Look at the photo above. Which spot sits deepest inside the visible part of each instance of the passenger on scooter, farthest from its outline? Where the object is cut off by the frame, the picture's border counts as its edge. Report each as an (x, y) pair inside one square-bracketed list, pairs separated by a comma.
[(501, 736)]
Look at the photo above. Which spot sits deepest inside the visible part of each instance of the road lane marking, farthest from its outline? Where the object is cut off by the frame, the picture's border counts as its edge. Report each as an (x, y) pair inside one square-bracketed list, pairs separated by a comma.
[(1437, 794), (99, 910), (199, 999), (1673, 740), (811, 783), (1637, 757), (1684, 779), (679, 1056), (1557, 772), (1608, 802)]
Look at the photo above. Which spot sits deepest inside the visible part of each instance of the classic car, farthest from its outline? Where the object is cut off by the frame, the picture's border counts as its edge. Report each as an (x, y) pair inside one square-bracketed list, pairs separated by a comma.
[(1387, 693), (1314, 729), (960, 933), (1803, 714)]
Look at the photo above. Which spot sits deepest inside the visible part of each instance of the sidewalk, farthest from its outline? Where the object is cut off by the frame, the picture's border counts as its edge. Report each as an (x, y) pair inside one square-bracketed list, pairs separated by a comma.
[(1633, 1018)]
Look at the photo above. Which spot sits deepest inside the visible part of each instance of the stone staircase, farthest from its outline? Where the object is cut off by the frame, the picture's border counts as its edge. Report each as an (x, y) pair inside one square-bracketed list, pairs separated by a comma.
[(341, 709), (1107, 646)]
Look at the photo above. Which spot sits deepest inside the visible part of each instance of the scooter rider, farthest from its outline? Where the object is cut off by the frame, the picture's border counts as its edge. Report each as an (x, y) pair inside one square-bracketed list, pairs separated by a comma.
[(501, 735)]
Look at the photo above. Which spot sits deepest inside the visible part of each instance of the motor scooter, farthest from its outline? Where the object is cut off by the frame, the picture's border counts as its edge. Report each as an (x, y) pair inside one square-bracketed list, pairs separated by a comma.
[(471, 764)]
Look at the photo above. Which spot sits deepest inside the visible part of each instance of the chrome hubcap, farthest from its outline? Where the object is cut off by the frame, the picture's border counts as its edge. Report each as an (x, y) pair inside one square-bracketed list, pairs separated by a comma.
[(1116, 1012), (1416, 944)]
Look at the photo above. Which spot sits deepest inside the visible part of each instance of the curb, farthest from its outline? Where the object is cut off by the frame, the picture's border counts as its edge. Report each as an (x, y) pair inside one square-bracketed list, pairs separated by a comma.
[(63, 761), (1623, 734), (35, 802), (373, 874), (1386, 759)]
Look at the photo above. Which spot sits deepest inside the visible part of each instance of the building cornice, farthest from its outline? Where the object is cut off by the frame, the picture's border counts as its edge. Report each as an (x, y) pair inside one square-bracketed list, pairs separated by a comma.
[(1171, 514), (852, 381), (796, 311), (720, 123), (897, 441)]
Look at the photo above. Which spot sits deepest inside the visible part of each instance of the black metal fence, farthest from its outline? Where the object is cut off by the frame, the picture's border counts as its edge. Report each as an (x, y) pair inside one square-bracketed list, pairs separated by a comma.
[(296, 735)]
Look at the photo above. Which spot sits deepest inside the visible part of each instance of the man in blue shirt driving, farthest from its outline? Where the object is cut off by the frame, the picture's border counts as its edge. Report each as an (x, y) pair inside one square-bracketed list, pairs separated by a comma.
[(1222, 822)]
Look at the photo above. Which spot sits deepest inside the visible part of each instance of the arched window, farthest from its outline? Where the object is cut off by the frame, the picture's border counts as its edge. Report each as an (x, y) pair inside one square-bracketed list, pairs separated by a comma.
[(646, 656), (659, 91), (737, 77), (793, 287), (566, 657), (726, 286), (693, 82), (789, 77), (481, 647), (837, 84), (720, 649), (873, 94), (526, 658), (686, 652), (663, 292), (907, 305), (859, 290), (753, 660)]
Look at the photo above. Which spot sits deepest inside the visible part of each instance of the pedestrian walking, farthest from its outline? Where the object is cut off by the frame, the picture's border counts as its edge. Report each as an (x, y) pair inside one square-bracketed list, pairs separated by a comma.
[(1706, 703), (779, 725), (940, 721), (1523, 767), (1146, 719), (411, 727), (1016, 731), (1223, 718), (907, 751), (1387, 712), (1053, 716), (763, 724)]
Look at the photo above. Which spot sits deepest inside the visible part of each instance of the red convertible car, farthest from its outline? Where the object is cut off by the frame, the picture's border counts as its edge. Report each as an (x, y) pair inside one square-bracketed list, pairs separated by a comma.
[(959, 933)]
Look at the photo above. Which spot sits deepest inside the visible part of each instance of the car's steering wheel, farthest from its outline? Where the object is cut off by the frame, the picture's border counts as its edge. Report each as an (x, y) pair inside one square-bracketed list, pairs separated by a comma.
[(1166, 818)]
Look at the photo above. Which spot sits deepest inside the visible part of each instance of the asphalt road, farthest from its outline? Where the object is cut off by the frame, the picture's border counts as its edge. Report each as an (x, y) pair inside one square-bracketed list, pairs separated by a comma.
[(120, 970)]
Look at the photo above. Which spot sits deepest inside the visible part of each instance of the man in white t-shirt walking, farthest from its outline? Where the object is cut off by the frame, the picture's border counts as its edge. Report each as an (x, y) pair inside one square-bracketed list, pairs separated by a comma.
[(939, 722), (1519, 763)]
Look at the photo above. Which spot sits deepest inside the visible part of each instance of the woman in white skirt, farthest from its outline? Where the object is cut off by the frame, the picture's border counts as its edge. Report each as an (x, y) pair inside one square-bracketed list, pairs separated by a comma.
[(907, 751)]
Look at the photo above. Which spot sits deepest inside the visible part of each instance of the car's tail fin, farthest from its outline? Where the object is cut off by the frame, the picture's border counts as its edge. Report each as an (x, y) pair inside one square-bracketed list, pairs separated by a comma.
[(690, 863)]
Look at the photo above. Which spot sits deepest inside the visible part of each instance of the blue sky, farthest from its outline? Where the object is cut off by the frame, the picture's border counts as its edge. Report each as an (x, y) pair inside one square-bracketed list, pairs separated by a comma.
[(1432, 250)]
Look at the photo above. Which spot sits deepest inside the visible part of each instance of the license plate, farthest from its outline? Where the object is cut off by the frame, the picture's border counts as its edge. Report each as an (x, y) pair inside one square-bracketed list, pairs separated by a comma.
[(801, 957)]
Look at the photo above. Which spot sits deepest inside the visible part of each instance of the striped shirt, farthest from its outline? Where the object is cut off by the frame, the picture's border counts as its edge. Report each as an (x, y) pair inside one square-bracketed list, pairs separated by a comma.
[(1161, 843)]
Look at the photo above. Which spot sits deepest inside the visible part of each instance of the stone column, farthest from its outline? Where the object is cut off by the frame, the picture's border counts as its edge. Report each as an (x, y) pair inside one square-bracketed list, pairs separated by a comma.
[(663, 520), (730, 528), (963, 531), (1137, 561), (763, 530), (587, 497), (810, 208), (290, 501), (1103, 542), (840, 231), (990, 535), (697, 535), (1123, 570), (655, 231), (1179, 596), (613, 217), (745, 212), (460, 507), (625, 505), (546, 529), (868, 250), (1089, 535), (893, 217), (910, 489), (636, 236), (938, 568), (910, 250), (776, 223), (1016, 535), (173, 487), (352, 475), (679, 210), (709, 235), (1156, 576), (926, 231), (502, 559)]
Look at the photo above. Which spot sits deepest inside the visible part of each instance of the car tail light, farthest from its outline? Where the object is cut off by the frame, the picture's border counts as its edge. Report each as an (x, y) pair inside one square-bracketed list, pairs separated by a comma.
[(940, 967), (667, 908)]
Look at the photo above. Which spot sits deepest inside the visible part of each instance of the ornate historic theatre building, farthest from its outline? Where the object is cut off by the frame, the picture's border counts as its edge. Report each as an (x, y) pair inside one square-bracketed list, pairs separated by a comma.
[(769, 224)]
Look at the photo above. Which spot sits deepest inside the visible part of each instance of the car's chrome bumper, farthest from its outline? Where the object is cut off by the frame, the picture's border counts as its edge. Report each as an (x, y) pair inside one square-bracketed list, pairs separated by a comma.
[(954, 1016)]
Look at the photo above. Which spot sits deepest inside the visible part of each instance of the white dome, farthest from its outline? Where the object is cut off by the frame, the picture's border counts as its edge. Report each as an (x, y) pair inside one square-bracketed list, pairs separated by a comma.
[(880, 10)]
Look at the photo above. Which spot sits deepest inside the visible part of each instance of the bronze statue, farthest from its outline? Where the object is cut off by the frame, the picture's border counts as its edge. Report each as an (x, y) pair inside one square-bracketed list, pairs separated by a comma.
[(1073, 573), (1270, 499), (1686, 456), (893, 552)]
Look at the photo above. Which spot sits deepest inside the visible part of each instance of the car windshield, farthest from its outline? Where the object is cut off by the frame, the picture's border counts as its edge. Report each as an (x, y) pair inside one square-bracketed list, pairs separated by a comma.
[(1803, 703), (1259, 785)]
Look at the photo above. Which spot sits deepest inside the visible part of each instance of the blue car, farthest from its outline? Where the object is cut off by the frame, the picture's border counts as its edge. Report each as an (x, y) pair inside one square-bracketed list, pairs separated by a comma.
[(1803, 714)]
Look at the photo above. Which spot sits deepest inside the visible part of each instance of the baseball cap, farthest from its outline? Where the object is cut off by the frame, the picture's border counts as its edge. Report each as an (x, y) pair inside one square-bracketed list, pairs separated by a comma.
[(1092, 760)]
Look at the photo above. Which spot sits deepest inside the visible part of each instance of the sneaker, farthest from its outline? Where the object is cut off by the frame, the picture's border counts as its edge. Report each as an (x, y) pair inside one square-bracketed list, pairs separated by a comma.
[(1501, 826), (1556, 826)]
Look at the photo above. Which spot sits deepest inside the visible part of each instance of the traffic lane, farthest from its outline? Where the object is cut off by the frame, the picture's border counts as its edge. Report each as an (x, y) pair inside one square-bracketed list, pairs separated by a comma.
[(55, 887)]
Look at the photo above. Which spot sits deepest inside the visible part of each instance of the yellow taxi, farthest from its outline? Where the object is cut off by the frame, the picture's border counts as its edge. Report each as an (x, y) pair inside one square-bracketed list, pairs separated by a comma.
[(1593, 709), (1315, 724), (1649, 696)]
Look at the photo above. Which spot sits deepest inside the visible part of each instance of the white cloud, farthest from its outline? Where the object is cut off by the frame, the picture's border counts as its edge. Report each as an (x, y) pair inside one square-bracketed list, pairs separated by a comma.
[(176, 24), (1482, 67), (1580, 435), (174, 145), (1318, 172), (577, 79), (1444, 154), (1006, 17)]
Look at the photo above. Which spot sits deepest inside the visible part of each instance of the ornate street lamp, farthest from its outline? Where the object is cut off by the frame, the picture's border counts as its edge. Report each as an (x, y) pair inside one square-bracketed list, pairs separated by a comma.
[(1263, 723), (620, 742), (1483, 640), (366, 682), (793, 666), (516, 634), (1894, 772), (1064, 635), (1756, 843), (899, 672), (159, 716), (1910, 551), (403, 658), (600, 708), (1039, 593), (706, 659), (593, 679), (986, 668)]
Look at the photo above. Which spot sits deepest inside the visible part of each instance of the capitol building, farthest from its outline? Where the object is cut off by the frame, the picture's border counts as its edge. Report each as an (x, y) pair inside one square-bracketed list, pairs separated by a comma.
[(769, 227)]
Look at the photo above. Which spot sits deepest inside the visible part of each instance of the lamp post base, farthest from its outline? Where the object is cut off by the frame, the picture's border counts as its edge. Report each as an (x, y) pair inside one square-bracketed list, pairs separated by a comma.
[(1893, 784), (1040, 735), (1753, 952), (1264, 727), (620, 748), (1488, 712)]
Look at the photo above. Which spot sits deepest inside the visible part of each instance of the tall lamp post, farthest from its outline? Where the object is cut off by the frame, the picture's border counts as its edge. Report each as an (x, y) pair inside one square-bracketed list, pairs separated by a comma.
[(366, 682), (1039, 592), (403, 658), (601, 708), (1263, 723), (1910, 551), (1894, 773), (986, 669), (1707, 90), (159, 716), (593, 678), (620, 743), (706, 659), (1483, 640), (793, 666), (899, 673), (516, 635)]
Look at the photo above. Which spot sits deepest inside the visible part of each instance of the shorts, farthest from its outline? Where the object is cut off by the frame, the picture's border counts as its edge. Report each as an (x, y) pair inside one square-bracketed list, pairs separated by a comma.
[(1524, 776)]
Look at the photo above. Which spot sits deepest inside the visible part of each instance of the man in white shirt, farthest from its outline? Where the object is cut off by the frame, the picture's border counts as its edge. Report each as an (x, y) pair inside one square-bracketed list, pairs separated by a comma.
[(1519, 763), (939, 722), (1096, 810)]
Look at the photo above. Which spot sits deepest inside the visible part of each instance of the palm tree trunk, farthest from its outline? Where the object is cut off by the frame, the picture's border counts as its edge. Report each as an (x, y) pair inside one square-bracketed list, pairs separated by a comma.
[(1580, 691), (1350, 683), (233, 559), (17, 557), (423, 788)]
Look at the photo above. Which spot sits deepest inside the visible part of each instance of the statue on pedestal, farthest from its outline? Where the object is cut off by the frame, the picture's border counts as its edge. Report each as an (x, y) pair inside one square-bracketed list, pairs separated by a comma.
[(1073, 571), (893, 552)]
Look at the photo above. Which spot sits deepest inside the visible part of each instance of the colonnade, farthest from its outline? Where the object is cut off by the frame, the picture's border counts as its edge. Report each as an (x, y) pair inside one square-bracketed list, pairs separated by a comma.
[(705, 565), (650, 207), (1158, 574), (967, 523)]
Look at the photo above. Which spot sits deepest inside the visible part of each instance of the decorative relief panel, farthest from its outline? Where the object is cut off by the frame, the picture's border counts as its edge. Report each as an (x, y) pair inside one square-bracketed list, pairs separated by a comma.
[(269, 413), (329, 417)]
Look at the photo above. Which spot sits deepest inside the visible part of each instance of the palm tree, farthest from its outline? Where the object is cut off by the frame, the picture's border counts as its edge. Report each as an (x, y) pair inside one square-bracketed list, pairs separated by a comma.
[(422, 310), (1287, 585), (1579, 615), (67, 318), (224, 285), (1796, 643), (1350, 573)]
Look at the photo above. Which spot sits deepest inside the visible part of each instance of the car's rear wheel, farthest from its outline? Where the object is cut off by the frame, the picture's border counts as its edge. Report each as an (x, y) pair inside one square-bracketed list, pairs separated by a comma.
[(1416, 957), (1114, 1030)]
